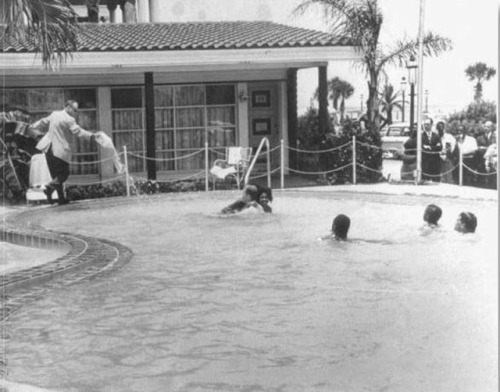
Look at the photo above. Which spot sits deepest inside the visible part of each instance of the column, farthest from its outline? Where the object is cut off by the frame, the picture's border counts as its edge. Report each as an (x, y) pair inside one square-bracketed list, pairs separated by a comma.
[(291, 96), (155, 10), (243, 137), (112, 5), (323, 100), (150, 124), (106, 125), (129, 11), (142, 11)]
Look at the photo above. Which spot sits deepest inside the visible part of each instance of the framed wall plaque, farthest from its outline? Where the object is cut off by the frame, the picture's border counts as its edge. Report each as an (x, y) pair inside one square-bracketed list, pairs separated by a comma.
[(261, 126), (261, 99)]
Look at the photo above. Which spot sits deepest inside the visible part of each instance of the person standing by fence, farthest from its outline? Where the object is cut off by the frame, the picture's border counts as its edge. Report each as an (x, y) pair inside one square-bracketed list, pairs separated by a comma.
[(431, 147), (447, 153), (467, 145)]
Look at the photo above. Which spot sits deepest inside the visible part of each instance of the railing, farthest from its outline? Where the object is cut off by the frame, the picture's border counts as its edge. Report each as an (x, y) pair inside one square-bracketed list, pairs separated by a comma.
[(350, 147), (264, 141)]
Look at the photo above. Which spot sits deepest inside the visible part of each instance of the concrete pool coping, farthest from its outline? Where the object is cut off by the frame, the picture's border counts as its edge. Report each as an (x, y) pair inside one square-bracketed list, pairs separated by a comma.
[(430, 190), (89, 257)]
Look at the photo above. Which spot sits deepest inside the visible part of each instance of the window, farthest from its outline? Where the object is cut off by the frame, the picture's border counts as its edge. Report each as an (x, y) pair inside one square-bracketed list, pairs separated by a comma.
[(127, 116), (188, 116)]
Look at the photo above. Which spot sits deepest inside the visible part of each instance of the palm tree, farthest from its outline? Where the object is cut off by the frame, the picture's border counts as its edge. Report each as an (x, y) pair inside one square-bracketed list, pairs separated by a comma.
[(339, 91), (49, 25), (362, 21), (388, 102), (479, 72)]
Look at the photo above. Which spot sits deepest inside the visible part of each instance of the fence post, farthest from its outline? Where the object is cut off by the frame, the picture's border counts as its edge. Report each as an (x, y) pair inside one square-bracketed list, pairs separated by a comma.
[(127, 178), (282, 164), (353, 160), (206, 166), (460, 168)]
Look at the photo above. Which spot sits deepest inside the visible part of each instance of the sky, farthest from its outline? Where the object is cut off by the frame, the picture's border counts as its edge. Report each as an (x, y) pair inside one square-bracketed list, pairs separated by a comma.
[(471, 25)]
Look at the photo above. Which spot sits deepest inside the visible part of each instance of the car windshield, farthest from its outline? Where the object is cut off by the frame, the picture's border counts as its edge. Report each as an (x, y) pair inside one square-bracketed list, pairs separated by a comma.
[(398, 131)]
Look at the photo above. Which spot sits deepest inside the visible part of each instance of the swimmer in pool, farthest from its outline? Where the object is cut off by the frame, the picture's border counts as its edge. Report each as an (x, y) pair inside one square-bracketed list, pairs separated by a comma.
[(253, 196), (340, 227), (466, 223), (432, 214)]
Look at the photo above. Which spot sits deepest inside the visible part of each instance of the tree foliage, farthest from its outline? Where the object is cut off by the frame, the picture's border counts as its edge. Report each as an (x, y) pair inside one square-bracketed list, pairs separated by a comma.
[(389, 101), (473, 116), (339, 91), (334, 151), (480, 73), (49, 25), (362, 21)]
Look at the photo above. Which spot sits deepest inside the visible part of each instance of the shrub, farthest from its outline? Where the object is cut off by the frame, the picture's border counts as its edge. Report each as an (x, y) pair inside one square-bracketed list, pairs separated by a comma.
[(118, 188), (473, 116), (368, 152)]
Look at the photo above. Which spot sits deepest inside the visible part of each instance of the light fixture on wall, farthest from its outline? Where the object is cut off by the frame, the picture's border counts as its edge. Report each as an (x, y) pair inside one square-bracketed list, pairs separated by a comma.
[(242, 96)]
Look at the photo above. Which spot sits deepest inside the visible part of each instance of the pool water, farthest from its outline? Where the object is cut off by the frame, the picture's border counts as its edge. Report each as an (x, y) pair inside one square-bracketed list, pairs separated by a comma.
[(16, 257), (256, 302)]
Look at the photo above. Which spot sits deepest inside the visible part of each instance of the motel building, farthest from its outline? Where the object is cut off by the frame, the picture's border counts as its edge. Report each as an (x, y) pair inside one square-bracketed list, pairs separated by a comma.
[(163, 90)]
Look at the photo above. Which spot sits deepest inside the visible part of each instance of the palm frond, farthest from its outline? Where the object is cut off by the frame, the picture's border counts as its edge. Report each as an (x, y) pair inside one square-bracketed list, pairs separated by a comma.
[(49, 25), (433, 45)]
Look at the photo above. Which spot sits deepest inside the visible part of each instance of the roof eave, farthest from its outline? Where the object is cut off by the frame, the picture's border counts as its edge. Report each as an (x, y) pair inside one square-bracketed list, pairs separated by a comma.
[(187, 60)]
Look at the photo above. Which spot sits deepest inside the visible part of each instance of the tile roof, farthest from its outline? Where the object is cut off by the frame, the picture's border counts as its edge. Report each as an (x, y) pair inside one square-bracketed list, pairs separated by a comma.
[(187, 36)]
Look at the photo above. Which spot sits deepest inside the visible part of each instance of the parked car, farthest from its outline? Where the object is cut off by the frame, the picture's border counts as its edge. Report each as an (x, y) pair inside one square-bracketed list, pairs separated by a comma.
[(394, 138)]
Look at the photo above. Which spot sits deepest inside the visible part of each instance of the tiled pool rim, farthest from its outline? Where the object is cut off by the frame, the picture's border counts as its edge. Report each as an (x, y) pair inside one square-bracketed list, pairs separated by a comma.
[(87, 257)]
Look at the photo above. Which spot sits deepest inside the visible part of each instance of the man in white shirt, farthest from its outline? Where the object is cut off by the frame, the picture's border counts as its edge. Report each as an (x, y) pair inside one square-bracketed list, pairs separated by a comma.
[(56, 144), (467, 144), (468, 147)]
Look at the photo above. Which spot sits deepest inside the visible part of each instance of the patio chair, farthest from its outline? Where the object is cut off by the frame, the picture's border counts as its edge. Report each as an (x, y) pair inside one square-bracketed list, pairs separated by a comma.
[(234, 165)]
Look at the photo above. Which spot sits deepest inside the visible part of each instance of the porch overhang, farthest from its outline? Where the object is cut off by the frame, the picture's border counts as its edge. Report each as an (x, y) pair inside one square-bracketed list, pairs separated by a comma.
[(134, 61)]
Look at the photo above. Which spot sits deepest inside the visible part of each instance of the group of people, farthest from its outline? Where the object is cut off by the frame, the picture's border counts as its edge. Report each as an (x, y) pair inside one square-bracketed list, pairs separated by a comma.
[(259, 197), (441, 150), (254, 196), (465, 223)]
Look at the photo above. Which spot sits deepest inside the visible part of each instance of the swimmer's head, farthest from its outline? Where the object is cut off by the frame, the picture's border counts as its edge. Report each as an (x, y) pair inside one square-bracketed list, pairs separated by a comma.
[(340, 226), (432, 214), (263, 190), (264, 199), (466, 222)]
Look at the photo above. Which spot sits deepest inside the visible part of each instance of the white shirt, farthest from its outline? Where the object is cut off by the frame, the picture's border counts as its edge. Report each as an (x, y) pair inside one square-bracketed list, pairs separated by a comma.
[(490, 156), (447, 138), (468, 145)]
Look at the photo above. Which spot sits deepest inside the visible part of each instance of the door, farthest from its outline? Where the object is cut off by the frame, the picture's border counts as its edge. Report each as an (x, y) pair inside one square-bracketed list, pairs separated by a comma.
[(263, 120)]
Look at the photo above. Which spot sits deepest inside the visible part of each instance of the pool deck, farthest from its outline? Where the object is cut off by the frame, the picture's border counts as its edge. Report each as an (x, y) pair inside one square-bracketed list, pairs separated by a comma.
[(91, 257), (431, 189)]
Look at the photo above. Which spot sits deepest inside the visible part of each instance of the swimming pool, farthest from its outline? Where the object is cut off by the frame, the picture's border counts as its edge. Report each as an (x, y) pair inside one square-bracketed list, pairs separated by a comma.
[(256, 302)]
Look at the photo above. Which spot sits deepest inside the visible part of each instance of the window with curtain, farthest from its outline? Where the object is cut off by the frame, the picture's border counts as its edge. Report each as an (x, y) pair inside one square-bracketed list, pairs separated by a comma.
[(127, 114), (186, 117), (40, 102)]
